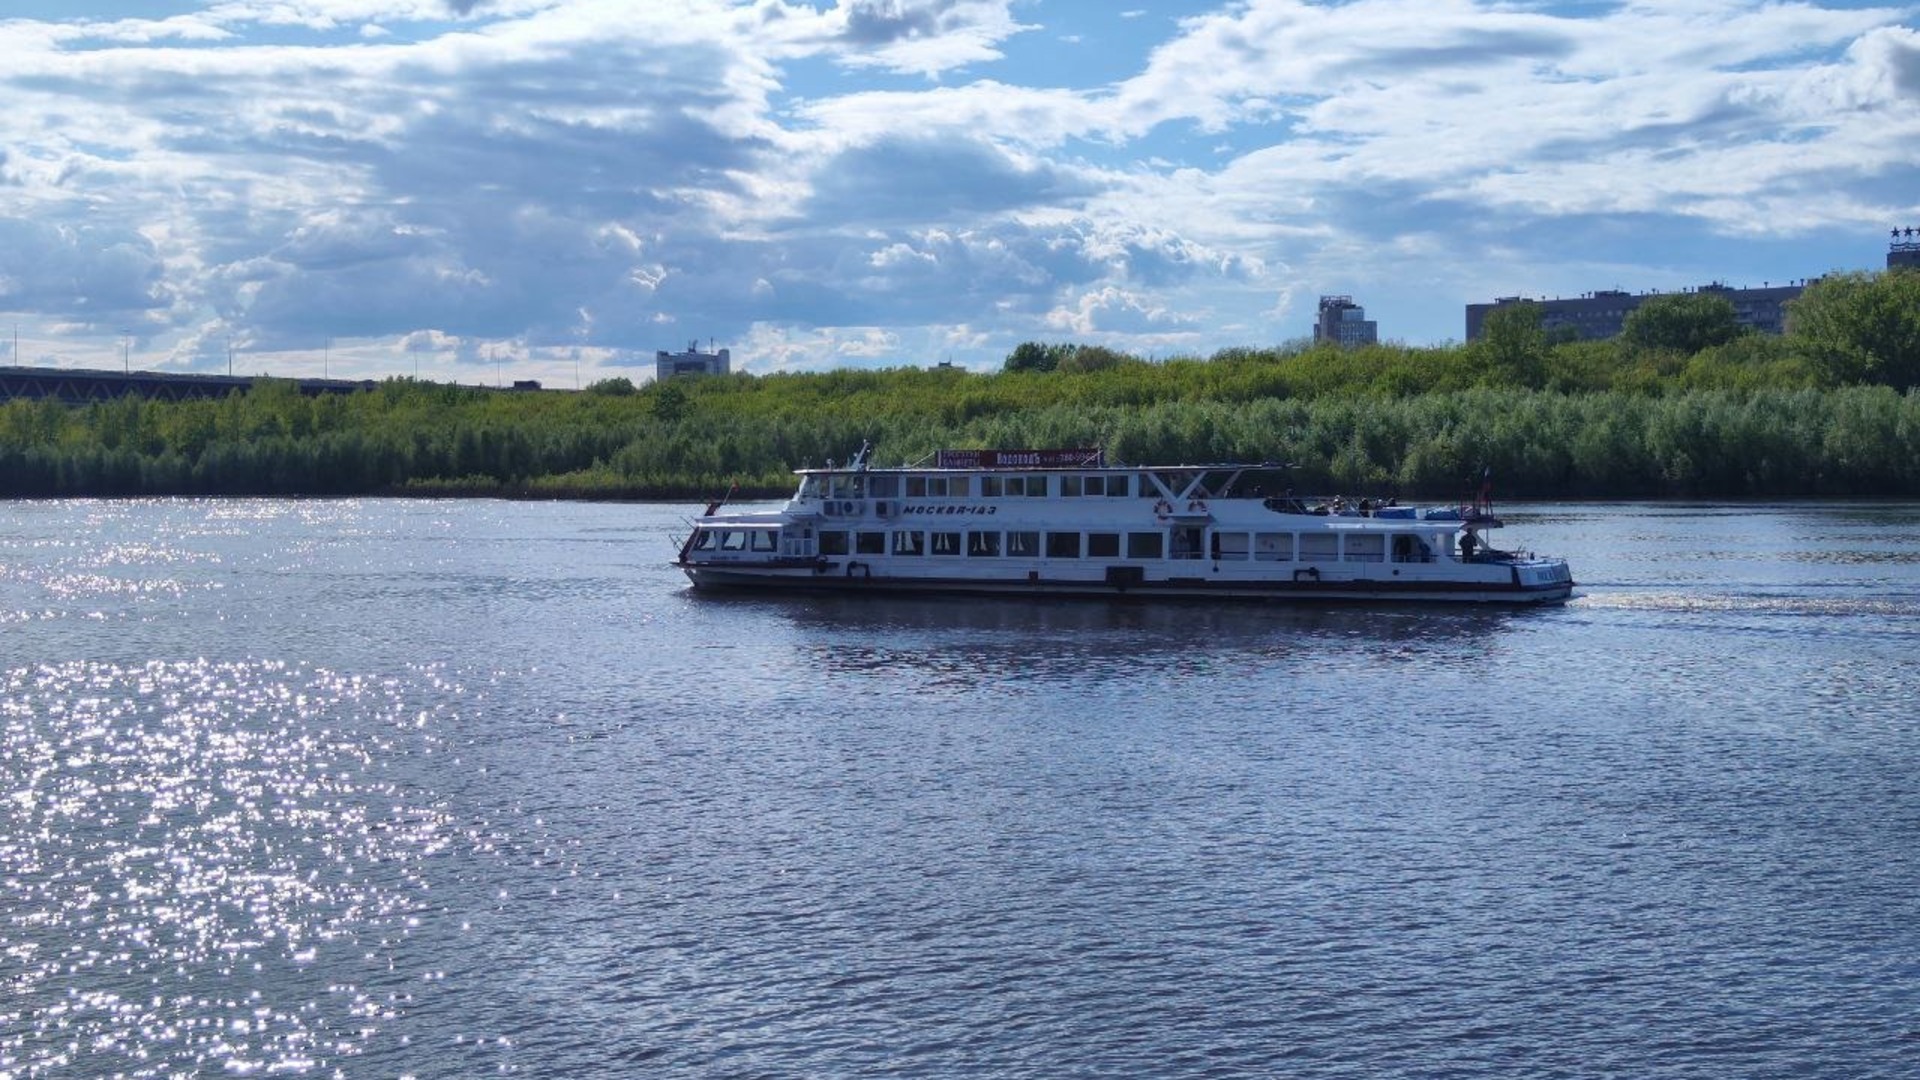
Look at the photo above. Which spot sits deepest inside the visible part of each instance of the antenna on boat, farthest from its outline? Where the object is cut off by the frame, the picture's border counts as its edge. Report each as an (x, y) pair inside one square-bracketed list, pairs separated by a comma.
[(1479, 503)]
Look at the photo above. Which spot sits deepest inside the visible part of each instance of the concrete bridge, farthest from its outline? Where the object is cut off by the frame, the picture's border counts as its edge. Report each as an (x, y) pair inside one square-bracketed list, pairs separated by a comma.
[(78, 387)]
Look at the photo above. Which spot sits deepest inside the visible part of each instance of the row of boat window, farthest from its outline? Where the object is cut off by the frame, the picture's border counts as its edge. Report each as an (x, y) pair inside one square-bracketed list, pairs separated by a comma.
[(1072, 485), (1180, 543)]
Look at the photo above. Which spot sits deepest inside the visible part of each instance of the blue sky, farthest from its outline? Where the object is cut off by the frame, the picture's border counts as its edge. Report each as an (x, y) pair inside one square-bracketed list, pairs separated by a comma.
[(553, 189)]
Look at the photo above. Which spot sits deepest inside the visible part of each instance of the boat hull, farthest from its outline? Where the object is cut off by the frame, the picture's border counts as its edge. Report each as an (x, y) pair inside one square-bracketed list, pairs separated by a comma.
[(1301, 586)]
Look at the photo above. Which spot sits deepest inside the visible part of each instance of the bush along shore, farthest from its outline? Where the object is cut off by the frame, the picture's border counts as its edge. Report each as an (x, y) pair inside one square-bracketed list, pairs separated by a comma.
[(1682, 404)]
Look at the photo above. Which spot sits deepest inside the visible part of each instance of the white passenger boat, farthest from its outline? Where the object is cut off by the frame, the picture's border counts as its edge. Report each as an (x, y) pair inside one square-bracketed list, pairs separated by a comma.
[(1067, 523)]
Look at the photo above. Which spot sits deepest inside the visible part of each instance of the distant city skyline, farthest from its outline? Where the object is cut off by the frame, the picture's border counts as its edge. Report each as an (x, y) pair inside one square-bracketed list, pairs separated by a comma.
[(1602, 313), (1599, 315), (485, 190)]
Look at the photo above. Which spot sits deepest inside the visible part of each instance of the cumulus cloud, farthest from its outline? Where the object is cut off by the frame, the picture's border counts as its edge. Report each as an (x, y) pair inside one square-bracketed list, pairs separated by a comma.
[(949, 180), (1112, 310), (97, 276), (871, 22), (925, 37), (1885, 68)]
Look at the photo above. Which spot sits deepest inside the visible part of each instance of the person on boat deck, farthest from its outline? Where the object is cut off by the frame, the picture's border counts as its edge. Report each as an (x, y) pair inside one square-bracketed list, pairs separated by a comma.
[(1467, 544), (1411, 549)]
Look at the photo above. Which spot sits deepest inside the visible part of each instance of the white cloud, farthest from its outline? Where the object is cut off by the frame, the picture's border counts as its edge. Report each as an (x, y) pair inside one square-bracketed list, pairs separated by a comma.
[(926, 37), (1110, 310)]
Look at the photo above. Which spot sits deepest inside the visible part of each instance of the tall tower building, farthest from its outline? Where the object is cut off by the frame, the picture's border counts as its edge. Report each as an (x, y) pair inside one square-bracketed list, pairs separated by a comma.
[(692, 362), (1904, 250), (1344, 323)]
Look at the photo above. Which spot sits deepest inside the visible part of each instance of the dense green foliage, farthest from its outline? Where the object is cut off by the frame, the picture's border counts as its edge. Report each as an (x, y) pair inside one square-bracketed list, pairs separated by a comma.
[(1862, 327), (1828, 410), (1682, 322), (1033, 356)]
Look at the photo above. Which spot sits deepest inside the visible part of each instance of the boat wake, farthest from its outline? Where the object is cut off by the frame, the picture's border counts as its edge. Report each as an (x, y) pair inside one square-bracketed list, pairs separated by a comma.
[(1852, 605)]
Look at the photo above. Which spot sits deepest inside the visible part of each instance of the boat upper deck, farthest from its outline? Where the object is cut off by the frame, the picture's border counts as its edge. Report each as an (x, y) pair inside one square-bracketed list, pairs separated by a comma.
[(1080, 483)]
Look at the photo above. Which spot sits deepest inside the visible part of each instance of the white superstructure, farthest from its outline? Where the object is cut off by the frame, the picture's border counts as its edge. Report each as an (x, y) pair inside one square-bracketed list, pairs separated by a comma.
[(1063, 522)]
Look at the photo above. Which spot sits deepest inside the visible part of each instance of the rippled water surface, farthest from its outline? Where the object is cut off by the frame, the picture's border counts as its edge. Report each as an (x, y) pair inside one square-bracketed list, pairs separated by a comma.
[(444, 789)]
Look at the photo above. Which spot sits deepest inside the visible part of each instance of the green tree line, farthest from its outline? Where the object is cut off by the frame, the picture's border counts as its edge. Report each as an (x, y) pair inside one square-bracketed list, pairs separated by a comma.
[(1682, 403)]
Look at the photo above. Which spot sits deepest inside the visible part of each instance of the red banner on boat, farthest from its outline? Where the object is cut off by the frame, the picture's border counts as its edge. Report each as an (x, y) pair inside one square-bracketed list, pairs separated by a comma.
[(1020, 459)]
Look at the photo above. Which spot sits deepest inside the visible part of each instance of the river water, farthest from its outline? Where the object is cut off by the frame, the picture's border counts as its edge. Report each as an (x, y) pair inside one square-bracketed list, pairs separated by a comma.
[(445, 789)]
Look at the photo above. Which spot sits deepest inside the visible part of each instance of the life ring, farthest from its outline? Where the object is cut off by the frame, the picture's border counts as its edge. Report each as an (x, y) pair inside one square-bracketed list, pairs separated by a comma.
[(1162, 510), (1197, 506)]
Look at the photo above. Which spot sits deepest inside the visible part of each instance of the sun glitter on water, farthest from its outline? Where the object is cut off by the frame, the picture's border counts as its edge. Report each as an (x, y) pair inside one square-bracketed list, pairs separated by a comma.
[(190, 846)]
